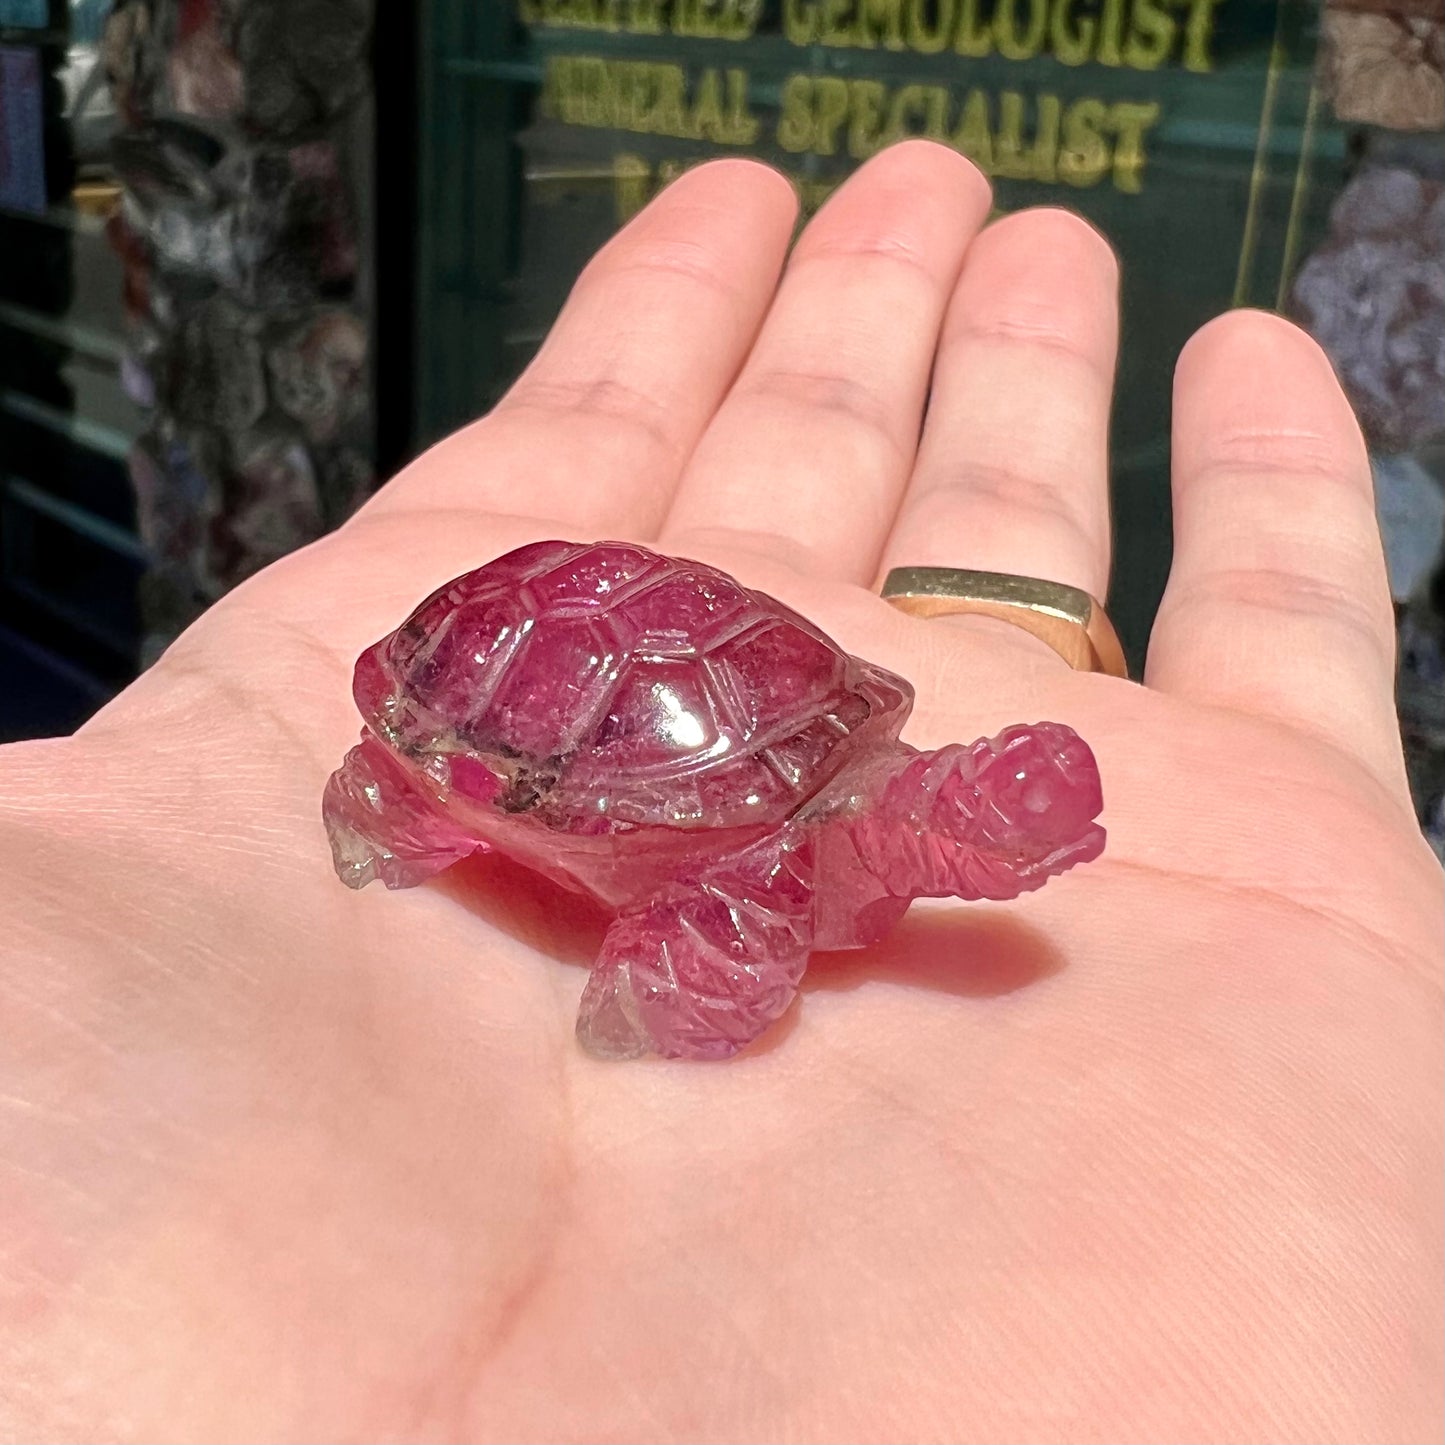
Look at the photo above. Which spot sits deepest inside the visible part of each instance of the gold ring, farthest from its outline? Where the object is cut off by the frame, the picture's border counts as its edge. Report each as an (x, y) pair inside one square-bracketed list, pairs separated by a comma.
[(1066, 619)]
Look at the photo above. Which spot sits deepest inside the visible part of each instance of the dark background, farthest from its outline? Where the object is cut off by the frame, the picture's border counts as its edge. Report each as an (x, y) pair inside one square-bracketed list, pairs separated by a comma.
[(485, 211)]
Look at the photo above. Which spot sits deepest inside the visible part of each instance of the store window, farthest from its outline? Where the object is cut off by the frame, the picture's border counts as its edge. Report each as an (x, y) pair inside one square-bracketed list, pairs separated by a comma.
[(213, 340), (186, 310), (1273, 153), (70, 562)]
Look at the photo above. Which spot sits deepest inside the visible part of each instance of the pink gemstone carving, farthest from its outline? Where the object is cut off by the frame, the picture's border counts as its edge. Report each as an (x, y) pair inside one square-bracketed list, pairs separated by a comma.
[(705, 763)]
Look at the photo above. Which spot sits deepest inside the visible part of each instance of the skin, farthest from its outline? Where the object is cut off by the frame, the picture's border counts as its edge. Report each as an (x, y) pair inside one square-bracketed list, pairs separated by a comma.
[(1152, 1155)]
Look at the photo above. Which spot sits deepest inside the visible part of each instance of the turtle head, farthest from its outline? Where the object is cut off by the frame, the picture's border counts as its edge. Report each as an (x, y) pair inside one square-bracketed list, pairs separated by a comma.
[(1042, 793)]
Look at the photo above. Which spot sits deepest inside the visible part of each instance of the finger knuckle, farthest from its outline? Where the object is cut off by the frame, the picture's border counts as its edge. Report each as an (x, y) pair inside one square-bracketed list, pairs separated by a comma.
[(845, 398), (598, 401), (1345, 608)]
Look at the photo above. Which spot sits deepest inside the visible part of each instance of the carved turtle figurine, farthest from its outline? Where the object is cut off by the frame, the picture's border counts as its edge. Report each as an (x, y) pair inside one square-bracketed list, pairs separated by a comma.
[(704, 762)]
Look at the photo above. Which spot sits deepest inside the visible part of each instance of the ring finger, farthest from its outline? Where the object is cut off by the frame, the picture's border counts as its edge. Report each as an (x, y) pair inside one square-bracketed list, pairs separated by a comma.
[(1012, 471)]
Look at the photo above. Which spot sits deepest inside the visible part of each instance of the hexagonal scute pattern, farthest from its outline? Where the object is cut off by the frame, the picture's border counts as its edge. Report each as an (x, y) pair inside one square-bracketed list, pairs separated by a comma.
[(654, 690)]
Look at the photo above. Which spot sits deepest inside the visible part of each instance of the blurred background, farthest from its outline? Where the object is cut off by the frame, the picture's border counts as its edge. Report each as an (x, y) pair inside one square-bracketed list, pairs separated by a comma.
[(256, 254)]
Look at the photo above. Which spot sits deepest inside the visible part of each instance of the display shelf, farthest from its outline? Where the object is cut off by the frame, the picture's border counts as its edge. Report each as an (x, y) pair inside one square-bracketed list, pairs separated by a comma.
[(86, 524), (90, 341), (23, 35), (87, 621), (65, 218), (74, 571), (70, 559), (106, 440)]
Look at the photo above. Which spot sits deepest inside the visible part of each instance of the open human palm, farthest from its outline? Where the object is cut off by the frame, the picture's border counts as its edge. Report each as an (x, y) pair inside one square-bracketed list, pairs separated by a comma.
[(1153, 1154)]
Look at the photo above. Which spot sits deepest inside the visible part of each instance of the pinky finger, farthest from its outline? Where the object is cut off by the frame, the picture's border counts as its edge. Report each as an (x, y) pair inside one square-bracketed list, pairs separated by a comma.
[(1278, 603)]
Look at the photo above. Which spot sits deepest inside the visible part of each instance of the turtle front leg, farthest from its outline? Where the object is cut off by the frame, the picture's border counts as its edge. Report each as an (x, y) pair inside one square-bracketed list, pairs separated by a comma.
[(702, 970), (383, 825), (995, 819)]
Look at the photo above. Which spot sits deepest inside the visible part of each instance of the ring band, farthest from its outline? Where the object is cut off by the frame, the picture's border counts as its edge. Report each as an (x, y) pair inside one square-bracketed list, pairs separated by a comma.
[(1066, 619)]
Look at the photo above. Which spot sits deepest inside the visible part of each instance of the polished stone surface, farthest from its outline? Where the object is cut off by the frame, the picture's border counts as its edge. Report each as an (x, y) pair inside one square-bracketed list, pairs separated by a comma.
[(700, 759)]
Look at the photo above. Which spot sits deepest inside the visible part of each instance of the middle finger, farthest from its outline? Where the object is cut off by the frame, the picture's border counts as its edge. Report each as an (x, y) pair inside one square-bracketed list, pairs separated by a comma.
[(806, 458)]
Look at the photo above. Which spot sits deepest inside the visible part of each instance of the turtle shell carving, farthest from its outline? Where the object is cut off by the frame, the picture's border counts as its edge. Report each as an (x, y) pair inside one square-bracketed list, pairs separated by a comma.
[(619, 686)]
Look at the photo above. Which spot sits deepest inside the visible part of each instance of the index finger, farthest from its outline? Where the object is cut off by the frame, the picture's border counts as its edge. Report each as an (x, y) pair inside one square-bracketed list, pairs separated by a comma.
[(592, 438)]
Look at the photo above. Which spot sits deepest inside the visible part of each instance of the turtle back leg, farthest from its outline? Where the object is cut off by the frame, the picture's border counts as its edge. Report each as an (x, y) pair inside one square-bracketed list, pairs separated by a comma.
[(704, 968), (994, 819), (382, 825)]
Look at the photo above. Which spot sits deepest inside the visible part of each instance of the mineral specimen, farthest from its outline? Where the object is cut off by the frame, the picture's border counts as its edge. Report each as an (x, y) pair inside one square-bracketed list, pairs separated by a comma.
[(244, 156), (1373, 295), (1384, 62), (701, 760)]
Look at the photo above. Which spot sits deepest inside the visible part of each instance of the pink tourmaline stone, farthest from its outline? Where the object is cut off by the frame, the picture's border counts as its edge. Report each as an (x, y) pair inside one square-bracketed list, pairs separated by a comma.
[(702, 761)]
